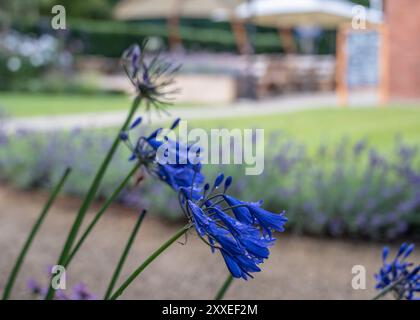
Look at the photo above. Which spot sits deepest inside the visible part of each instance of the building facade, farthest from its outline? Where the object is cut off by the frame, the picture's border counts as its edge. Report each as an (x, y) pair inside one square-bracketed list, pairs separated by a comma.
[(403, 21)]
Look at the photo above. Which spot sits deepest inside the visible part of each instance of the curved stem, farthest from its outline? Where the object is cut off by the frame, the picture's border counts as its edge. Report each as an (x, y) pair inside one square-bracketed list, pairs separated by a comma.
[(92, 192), (13, 275), (124, 255), (149, 260), (388, 288), (211, 197), (224, 288), (100, 213)]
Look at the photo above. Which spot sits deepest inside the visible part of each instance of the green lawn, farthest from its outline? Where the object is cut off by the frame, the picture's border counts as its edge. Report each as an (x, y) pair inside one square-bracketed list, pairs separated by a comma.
[(27, 105), (19, 105), (379, 125)]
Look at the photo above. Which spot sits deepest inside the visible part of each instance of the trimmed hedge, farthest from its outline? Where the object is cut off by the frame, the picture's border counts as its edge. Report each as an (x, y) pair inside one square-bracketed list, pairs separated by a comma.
[(110, 38)]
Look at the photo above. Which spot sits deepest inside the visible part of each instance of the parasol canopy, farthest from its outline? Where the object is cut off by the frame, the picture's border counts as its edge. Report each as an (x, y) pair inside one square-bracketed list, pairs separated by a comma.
[(289, 14), (151, 9)]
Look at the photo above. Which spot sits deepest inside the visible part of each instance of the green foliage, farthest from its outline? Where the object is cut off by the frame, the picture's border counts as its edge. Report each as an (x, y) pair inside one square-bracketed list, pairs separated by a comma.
[(18, 12), (92, 9), (16, 80), (201, 35), (24, 59), (109, 37), (362, 2), (99, 35)]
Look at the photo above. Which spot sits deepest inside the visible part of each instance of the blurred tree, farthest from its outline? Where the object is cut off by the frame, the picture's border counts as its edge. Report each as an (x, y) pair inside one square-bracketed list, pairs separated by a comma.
[(362, 2), (18, 12), (93, 9)]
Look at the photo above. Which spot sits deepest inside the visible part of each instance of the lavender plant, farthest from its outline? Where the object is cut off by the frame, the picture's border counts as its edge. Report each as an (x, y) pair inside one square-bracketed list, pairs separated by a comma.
[(319, 188), (78, 291)]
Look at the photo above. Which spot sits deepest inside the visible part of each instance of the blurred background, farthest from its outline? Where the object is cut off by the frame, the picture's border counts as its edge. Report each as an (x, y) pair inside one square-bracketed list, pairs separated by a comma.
[(334, 83)]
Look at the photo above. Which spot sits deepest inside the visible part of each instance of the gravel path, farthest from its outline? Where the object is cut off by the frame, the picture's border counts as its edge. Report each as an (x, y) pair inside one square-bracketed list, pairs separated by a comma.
[(299, 268), (112, 119)]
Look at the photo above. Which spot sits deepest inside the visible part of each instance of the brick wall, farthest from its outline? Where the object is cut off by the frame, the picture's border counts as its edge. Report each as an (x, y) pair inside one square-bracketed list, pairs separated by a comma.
[(403, 19)]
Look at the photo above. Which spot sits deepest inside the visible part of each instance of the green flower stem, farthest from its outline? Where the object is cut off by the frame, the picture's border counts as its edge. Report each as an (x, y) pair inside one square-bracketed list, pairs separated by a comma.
[(224, 288), (388, 288), (149, 260), (92, 192), (13, 275), (99, 214), (124, 256)]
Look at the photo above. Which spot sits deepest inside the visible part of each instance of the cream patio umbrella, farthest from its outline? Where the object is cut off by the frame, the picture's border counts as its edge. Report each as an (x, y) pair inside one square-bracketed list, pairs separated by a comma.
[(285, 15), (173, 10), (289, 14), (148, 9)]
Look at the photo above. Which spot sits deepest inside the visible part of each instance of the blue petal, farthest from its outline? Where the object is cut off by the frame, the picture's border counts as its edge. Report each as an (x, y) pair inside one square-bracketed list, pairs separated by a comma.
[(256, 247), (401, 250), (155, 144), (123, 136), (246, 264), (385, 253), (409, 250), (268, 220), (175, 123), (154, 134), (201, 221), (136, 123), (233, 267), (219, 180), (228, 182), (225, 239), (241, 213)]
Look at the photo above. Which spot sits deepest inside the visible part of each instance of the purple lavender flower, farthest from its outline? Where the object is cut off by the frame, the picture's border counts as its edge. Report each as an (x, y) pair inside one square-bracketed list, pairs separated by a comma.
[(80, 292), (322, 150), (375, 159), (35, 288), (359, 147)]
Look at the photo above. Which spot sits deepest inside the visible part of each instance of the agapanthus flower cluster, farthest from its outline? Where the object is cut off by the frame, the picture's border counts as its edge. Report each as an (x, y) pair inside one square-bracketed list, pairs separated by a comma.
[(173, 162), (241, 231), (405, 276), (153, 78)]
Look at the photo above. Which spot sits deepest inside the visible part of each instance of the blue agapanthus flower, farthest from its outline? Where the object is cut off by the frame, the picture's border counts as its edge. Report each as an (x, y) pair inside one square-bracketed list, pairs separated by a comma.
[(405, 276), (173, 162), (241, 231), (152, 77)]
